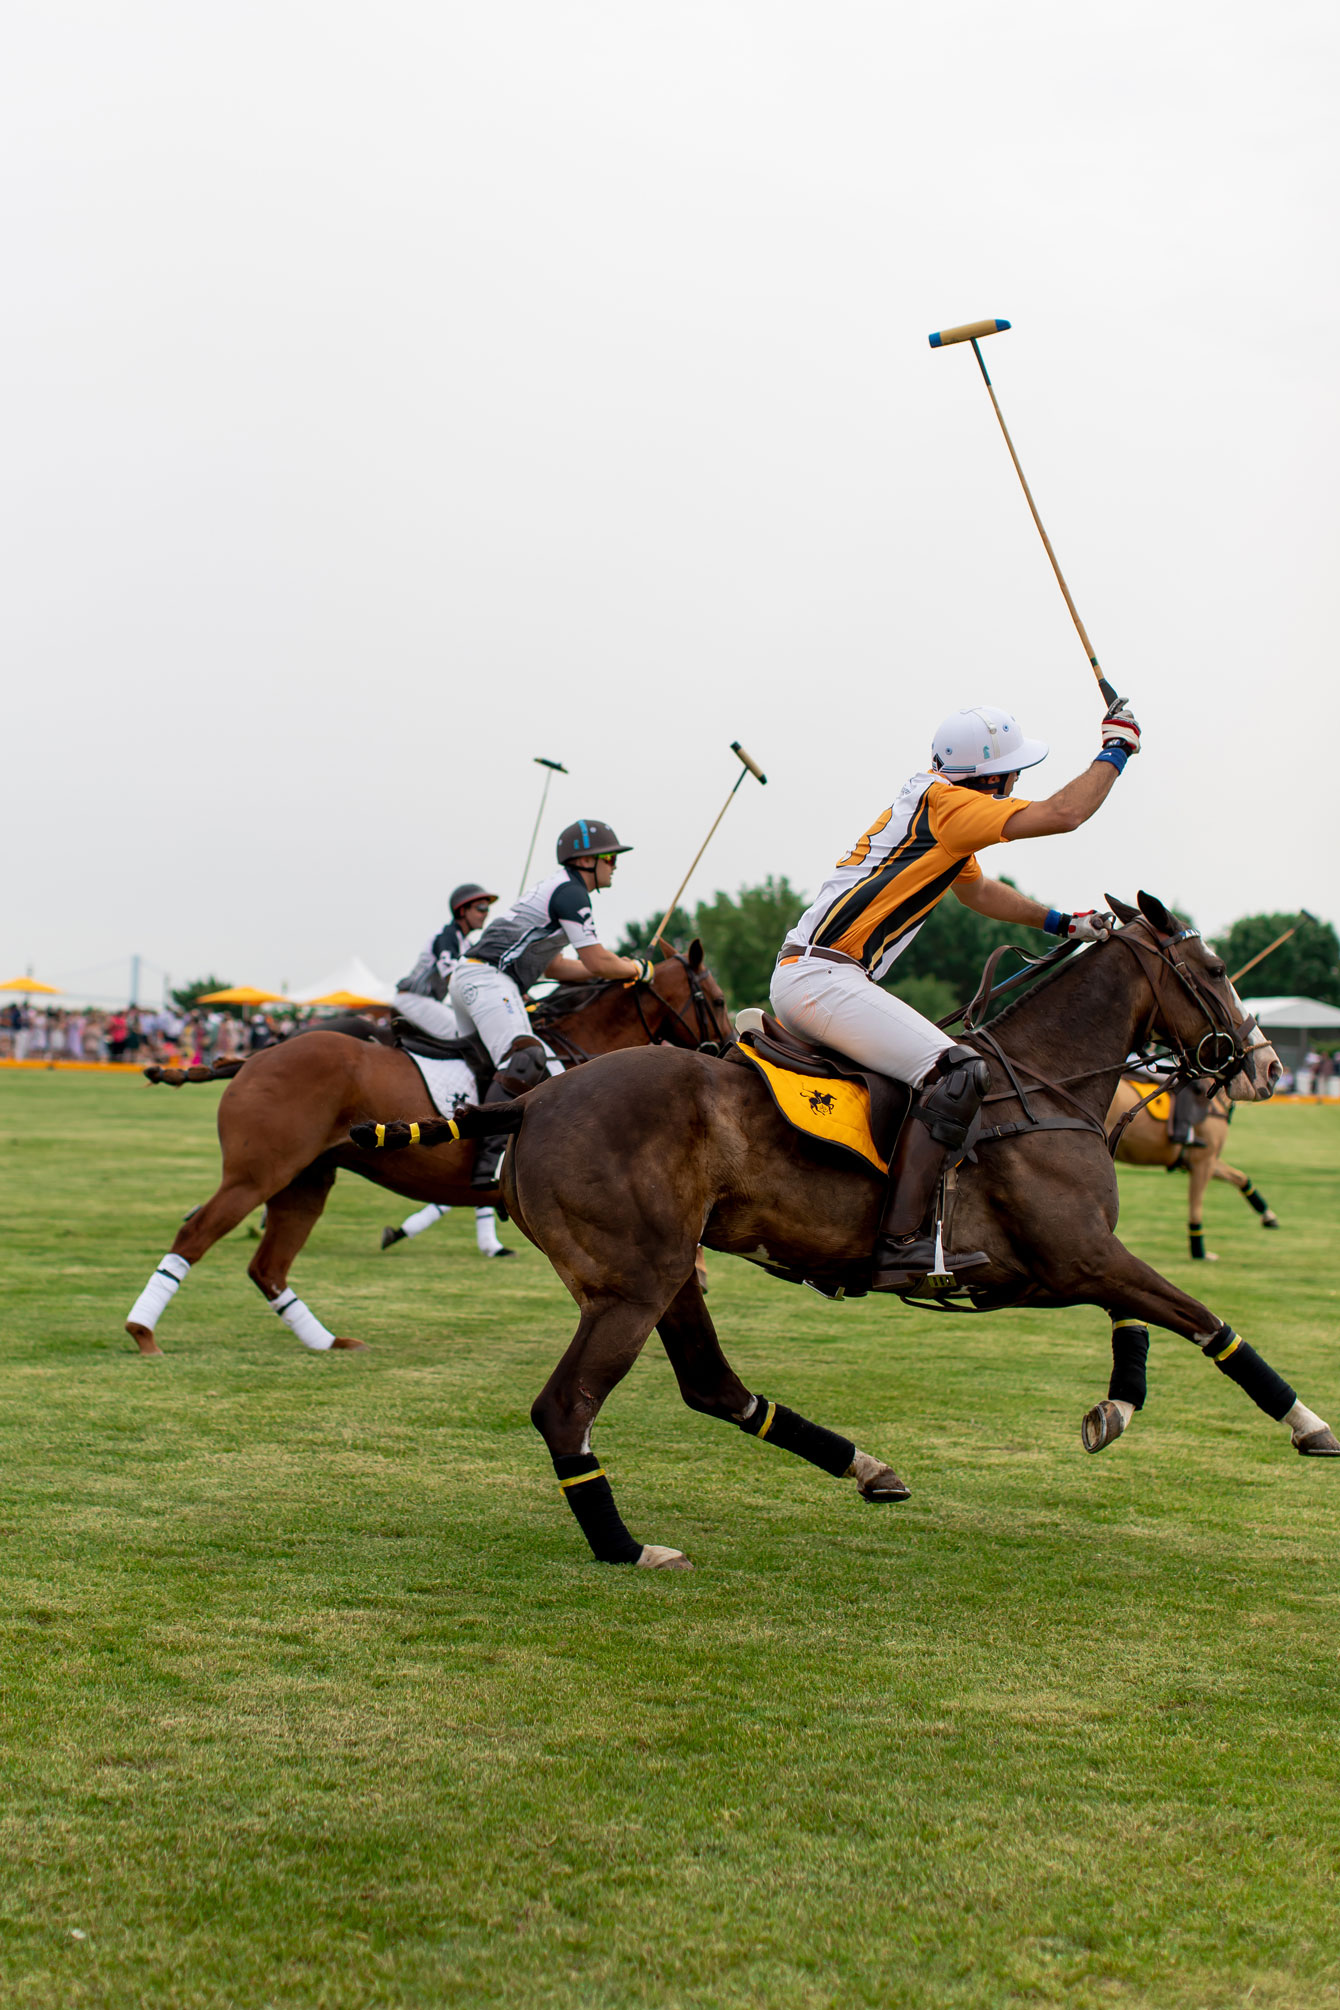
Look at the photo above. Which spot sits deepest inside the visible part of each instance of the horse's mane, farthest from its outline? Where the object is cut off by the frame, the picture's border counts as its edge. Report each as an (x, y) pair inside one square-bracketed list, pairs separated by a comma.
[(570, 998), (1032, 991)]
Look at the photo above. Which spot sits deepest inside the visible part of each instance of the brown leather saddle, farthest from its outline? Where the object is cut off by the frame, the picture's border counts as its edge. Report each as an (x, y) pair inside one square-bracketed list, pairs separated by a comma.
[(889, 1100)]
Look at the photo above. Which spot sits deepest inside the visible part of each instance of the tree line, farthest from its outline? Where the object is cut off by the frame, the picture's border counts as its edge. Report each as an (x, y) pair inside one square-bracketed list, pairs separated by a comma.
[(940, 969)]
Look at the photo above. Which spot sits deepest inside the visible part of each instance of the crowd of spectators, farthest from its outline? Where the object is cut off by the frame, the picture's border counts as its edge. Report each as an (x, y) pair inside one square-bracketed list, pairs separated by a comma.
[(135, 1035)]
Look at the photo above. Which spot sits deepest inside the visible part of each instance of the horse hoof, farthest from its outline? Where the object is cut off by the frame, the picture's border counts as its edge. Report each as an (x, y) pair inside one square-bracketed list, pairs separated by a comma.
[(884, 1485), (1270, 1220), (343, 1340), (390, 1235), (1322, 1444), (143, 1336), (1103, 1423), (502, 1250), (656, 1557)]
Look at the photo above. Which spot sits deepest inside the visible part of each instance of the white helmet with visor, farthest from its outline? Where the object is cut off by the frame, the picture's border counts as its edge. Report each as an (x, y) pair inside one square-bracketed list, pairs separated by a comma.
[(983, 740)]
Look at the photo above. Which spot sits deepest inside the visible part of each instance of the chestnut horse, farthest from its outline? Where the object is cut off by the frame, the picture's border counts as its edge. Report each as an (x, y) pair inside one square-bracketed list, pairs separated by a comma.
[(285, 1117), (617, 1172), (1145, 1142)]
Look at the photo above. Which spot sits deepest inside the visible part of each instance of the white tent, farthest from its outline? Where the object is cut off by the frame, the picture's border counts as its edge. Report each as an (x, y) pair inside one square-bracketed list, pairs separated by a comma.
[(1294, 1026), (352, 977)]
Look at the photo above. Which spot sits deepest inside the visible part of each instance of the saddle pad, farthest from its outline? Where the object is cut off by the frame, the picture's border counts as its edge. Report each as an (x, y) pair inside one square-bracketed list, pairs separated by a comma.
[(1161, 1107), (824, 1107), (449, 1083)]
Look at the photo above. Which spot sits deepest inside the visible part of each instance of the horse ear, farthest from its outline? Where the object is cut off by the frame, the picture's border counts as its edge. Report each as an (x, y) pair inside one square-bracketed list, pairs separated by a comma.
[(1120, 908), (1155, 912), (695, 954)]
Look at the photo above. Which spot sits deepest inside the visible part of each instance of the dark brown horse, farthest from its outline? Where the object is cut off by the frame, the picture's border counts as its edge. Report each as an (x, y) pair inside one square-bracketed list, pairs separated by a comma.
[(617, 1173), (284, 1124)]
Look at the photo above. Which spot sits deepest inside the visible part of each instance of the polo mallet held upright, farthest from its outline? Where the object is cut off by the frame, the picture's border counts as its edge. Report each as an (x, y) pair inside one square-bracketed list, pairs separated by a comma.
[(552, 768), (748, 767), (974, 331)]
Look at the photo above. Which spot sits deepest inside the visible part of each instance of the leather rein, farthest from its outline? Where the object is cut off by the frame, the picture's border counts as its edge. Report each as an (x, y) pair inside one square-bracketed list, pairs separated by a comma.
[(707, 1039), (1221, 1052)]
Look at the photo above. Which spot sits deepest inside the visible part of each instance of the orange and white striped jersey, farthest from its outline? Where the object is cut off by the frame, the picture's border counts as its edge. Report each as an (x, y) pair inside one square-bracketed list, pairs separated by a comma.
[(881, 892)]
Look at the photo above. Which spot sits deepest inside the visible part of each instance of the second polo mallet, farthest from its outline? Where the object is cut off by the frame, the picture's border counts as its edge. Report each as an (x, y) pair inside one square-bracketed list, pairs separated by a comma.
[(748, 767), (1270, 947), (552, 768), (974, 331)]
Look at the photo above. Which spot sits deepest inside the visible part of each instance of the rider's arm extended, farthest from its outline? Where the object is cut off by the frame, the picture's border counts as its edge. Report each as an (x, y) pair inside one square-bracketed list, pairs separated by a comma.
[(1076, 802), (596, 963), (1065, 811), (1002, 903)]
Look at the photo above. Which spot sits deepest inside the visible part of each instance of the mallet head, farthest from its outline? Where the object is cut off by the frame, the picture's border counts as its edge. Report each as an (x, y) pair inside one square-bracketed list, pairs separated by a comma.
[(752, 766), (557, 766), (971, 331)]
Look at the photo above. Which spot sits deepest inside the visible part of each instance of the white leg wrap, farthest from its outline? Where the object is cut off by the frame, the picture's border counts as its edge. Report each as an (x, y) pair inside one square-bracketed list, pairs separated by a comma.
[(299, 1320), (487, 1239), (415, 1224), (159, 1292), (1299, 1421)]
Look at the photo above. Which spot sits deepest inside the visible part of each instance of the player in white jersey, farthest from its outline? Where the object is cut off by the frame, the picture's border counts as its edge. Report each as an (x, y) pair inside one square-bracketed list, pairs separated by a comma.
[(422, 996), (527, 941)]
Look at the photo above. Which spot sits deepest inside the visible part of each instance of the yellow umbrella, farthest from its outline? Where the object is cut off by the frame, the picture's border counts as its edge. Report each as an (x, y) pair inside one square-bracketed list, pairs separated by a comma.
[(349, 1001), (241, 994), (31, 984)]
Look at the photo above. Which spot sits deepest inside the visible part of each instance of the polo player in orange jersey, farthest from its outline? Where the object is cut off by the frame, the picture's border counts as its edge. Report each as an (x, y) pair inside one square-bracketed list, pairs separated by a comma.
[(826, 986)]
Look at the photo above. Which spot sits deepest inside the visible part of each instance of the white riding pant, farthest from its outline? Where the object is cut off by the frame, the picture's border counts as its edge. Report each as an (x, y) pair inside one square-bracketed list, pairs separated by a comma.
[(837, 1005), (430, 1015), (488, 1003)]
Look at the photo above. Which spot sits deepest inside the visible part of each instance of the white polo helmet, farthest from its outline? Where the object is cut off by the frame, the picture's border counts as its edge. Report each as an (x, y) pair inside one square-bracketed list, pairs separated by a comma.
[(983, 740)]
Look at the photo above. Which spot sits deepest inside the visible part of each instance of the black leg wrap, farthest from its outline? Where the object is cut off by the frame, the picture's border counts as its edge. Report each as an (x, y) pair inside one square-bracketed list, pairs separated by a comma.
[(1196, 1231), (783, 1427), (1256, 1198), (589, 1494), (1243, 1365), (1130, 1352)]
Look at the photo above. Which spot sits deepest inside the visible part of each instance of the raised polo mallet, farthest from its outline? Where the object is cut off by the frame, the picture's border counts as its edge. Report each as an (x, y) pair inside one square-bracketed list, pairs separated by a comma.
[(552, 768), (1262, 954), (973, 331), (748, 767)]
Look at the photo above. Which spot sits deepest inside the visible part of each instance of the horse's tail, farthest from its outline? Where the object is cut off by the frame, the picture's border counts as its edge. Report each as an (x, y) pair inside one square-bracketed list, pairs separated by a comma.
[(216, 1071), (472, 1120)]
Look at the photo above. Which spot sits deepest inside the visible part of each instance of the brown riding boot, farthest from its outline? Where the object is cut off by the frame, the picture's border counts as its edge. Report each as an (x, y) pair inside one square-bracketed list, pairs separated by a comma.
[(935, 1131)]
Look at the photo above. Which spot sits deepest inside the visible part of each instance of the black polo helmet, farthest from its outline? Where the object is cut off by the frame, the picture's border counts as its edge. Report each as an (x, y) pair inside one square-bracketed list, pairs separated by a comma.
[(463, 895), (586, 839)]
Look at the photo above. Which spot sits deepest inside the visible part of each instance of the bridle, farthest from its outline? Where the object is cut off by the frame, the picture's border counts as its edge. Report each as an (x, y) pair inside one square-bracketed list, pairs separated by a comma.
[(706, 1036), (709, 1039), (1224, 1049)]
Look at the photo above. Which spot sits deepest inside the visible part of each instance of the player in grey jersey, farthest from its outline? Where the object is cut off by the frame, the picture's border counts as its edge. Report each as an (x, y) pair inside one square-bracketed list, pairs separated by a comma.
[(488, 986)]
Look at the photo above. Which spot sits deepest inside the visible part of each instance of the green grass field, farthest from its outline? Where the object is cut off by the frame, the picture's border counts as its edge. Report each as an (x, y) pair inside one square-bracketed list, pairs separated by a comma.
[(313, 1696)]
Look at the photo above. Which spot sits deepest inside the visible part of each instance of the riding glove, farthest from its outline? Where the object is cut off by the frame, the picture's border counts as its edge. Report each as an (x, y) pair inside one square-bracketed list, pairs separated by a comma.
[(1121, 728)]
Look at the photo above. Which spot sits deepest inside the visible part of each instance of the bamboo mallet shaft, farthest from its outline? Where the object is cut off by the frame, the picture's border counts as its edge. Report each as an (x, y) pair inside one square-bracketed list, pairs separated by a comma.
[(973, 331), (1262, 954), (748, 767)]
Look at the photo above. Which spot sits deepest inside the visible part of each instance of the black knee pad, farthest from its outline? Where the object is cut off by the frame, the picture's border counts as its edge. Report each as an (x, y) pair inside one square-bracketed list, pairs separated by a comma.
[(524, 1066), (952, 1097)]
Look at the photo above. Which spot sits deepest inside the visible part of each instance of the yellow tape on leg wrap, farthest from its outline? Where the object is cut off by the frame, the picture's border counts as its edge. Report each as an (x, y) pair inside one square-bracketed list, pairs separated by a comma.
[(1233, 1344)]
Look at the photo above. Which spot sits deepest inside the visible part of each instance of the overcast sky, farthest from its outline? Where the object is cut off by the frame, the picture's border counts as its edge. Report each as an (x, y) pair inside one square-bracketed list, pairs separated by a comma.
[(394, 393)]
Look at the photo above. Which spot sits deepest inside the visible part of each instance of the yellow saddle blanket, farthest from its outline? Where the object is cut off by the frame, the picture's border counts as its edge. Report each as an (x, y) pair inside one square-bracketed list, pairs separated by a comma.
[(1161, 1106), (824, 1107)]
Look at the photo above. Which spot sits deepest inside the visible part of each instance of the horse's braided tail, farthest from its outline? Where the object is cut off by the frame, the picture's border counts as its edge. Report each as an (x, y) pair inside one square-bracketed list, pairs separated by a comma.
[(216, 1071), (470, 1121)]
